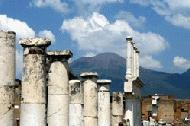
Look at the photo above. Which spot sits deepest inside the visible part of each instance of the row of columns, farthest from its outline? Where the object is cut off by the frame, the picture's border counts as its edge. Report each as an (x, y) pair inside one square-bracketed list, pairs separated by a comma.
[(74, 104), (82, 109)]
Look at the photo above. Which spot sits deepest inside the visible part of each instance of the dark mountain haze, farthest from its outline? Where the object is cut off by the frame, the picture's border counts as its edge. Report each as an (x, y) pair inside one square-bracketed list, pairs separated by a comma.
[(112, 66)]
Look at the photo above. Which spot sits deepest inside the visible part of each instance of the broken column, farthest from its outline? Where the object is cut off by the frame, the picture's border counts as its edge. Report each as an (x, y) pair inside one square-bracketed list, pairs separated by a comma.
[(117, 108), (33, 108), (132, 86), (104, 102), (7, 77), (58, 88), (155, 99), (76, 103), (90, 98), (129, 59)]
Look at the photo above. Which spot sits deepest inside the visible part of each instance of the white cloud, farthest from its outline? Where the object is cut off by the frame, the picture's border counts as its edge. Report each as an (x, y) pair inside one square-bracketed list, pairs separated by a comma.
[(149, 62), (181, 62), (57, 5), (86, 7), (47, 34), (23, 30), (20, 27), (97, 34), (80, 7), (179, 20), (99, 2), (175, 12), (136, 22)]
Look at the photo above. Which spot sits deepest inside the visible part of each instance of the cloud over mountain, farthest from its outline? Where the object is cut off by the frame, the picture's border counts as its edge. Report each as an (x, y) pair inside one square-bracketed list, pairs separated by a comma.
[(96, 34), (181, 62)]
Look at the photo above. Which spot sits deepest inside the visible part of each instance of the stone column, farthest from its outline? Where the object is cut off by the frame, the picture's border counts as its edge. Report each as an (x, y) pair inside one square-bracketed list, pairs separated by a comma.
[(33, 108), (58, 88), (134, 63), (137, 63), (155, 99), (90, 98), (76, 103), (129, 63), (7, 77), (117, 108), (104, 103), (132, 89)]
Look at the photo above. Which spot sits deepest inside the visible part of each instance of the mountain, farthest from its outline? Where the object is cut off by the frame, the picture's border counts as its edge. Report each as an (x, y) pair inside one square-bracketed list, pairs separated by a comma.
[(112, 66)]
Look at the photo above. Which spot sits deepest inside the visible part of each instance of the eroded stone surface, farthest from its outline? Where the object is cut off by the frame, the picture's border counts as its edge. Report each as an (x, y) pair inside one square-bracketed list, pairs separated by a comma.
[(34, 79), (90, 98), (58, 78), (35, 42), (76, 92), (103, 85), (7, 77), (76, 103), (117, 103), (33, 108), (7, 58), (104, 118), (89, 74), (58, 88), (64, 53)]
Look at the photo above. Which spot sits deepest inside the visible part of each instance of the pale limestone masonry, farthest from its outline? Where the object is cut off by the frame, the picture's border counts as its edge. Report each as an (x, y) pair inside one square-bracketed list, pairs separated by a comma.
[(90, 98), (33, 104), (49, 98), (132, 86), (7, 77), (76, 103), (58, 88), (117, 108), (104, 118)]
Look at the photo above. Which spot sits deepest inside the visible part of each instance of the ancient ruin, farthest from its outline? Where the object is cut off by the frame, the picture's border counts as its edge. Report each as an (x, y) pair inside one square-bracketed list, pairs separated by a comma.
[(7, 77), (50, 95)]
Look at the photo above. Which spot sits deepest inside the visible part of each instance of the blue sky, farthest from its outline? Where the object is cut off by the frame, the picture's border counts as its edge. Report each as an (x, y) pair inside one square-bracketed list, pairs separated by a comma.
[(160, 28)]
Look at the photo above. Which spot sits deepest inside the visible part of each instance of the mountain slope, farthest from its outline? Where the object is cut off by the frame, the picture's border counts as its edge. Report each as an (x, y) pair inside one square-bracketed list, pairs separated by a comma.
[(111, 66)]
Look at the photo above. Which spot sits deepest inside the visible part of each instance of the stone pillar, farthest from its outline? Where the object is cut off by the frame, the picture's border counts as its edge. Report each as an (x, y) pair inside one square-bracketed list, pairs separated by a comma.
[(117, 108), (58, 88), (90, 98), (76, 103), (155, 99), (129, 59), (104, 103), (133, 111), (33, 104), (137, 63), (132, 91), (134, 62), (7, 77)]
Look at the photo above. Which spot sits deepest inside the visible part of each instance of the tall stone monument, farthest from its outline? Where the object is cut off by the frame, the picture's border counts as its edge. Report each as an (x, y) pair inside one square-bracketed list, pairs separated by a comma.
[(7, 77), (132, 85), (33, 104)]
